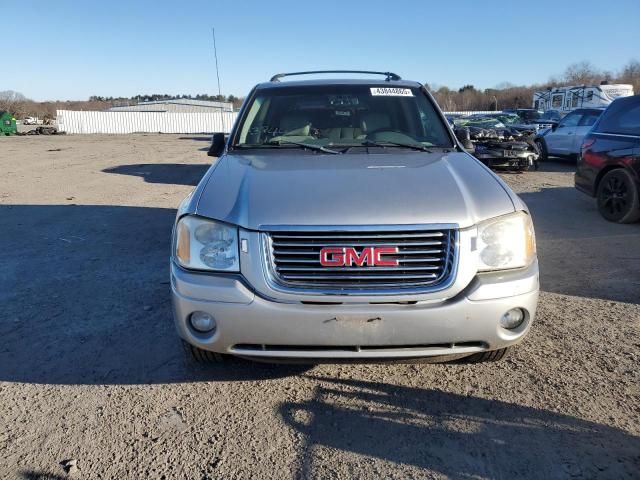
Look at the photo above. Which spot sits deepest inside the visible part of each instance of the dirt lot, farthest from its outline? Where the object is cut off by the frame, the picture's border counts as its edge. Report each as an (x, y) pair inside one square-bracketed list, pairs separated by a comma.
[(91, 369)]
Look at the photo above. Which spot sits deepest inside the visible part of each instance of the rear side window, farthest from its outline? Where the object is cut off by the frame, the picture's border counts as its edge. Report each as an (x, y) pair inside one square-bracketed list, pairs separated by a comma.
[(570, 120), (622, 116), (589, 119)]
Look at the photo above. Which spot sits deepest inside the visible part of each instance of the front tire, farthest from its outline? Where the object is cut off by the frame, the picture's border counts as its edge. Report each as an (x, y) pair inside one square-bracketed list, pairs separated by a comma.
[(618, 199), (542, 150)]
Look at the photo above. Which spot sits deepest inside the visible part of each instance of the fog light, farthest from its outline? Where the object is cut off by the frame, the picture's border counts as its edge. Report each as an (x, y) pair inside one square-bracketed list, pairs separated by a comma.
[(512, 319), (202, 322)]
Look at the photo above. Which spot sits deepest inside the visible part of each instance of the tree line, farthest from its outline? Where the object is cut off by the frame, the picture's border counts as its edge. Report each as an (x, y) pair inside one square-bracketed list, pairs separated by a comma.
[(507, 95), (163, 96), (504, 95), (20, 106)]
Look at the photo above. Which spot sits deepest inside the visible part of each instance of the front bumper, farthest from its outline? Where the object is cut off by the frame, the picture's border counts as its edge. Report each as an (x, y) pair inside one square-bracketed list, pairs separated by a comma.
[(497, 159), (250, 325)]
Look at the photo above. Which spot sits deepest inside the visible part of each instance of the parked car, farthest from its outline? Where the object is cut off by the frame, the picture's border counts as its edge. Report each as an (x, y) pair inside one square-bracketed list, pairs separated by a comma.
[(565, 138), (609, 163), (550, 116), (344, 221), (30, 121), (529, 115), (548, 119)]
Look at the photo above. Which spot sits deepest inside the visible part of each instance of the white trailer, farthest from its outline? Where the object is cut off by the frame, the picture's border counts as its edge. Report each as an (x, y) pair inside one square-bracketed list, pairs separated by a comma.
[(582, 96)]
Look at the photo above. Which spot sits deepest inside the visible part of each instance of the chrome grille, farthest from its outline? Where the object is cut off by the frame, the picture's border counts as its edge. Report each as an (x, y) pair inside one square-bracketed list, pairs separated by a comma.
[(426, 260)]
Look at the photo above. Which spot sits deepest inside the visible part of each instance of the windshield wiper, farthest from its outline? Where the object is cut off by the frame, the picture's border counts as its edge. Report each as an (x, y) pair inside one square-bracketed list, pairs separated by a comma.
[(383, 144), (310, 146)]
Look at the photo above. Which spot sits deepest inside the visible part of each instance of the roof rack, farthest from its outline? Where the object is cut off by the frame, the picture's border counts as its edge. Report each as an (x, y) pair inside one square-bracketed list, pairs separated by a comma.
[(390, 76)]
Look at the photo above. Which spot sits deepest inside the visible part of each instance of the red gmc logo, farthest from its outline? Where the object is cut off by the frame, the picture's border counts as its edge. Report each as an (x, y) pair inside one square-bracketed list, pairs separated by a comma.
[(348, 256)]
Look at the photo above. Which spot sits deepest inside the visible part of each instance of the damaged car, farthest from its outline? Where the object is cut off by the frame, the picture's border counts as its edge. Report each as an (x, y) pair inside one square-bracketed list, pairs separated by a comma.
[(502, 141), (509, 153)]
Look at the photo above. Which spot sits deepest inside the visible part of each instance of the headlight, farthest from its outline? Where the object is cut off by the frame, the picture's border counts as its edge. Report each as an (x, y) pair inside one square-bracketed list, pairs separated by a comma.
[(506, 242), (206, 245)]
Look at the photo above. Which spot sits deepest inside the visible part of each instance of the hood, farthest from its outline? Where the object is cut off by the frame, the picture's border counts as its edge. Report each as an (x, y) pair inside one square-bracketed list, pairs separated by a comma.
[(524, 126), (303, 188)]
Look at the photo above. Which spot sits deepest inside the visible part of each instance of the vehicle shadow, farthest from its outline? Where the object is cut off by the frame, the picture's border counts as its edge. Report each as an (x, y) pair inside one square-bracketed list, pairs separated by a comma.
[(199, 138), (35, 475), (580, 253), (84, 295), (457, 436), (168, 173)]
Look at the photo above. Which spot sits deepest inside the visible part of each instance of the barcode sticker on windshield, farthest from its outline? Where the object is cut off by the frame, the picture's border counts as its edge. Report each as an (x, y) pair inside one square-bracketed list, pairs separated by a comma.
[(391, 92)]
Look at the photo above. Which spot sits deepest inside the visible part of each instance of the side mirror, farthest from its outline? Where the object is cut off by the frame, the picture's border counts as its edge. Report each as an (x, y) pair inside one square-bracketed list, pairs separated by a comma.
[(464, 137), (554, 126), (218, 142)]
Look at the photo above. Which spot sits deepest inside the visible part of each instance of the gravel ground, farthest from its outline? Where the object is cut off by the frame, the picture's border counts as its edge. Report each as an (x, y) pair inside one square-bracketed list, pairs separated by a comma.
[(92, 371)]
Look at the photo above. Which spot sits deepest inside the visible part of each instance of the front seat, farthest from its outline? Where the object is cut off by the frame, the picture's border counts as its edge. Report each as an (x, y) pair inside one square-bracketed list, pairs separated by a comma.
[(295, 124), (341, 129), (373, 121)]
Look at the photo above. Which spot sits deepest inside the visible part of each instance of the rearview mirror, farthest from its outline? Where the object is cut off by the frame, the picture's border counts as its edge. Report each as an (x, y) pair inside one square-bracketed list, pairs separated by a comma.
[(218, 142), (463, 136)]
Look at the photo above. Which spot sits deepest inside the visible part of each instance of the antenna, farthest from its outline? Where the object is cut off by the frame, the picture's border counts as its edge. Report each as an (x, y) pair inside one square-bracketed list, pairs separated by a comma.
[(215, 54)]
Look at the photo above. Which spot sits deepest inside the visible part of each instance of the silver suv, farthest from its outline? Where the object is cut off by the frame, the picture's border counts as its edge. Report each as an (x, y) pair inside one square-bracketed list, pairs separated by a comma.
[(343, 221)]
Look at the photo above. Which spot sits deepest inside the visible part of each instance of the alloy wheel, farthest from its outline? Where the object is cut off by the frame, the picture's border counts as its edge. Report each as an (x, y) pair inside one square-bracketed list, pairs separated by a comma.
[(615, 196)]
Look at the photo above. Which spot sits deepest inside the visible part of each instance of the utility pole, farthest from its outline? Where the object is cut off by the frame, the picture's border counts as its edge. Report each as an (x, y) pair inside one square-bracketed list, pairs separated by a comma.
[(215, 54)]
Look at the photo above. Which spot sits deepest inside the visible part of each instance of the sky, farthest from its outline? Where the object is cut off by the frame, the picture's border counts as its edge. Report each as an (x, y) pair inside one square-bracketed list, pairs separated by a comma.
[(70, 50)]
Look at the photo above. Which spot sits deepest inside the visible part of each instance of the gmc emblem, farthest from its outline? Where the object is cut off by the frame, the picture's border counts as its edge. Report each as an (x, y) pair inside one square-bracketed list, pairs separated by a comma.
[(348, 256)]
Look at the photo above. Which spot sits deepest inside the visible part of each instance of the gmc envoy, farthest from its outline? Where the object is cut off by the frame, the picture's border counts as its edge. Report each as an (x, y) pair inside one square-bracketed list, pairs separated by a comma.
[(344, 221)]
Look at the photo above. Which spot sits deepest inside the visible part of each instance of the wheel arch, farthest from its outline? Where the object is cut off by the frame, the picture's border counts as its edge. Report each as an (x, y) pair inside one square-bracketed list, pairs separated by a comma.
[(540, 139), (610, 168)]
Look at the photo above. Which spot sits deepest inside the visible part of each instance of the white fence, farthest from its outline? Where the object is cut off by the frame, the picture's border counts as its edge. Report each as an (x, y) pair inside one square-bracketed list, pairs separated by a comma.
[(70, 121), (144, 122)]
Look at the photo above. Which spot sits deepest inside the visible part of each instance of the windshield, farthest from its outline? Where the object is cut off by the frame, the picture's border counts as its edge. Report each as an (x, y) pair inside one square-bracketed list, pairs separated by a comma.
[(529, 115), (479, 121), (551, 115), (510, 119), (341, 115)]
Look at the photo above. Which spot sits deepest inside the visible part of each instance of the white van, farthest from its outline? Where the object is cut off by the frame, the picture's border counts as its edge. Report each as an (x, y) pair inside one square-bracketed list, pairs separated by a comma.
[(582, 96)]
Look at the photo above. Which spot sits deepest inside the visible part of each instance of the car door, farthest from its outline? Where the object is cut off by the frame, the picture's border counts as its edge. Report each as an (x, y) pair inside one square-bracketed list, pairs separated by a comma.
[(560, 140), (614, 141), (584, 126), (628, 124)]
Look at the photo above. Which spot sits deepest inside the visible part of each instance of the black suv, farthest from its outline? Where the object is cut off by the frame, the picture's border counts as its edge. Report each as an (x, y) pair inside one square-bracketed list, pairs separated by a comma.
[(609, 162)]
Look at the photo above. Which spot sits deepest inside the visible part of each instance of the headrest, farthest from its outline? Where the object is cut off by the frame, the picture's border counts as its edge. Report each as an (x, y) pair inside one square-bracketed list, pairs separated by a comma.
[(375, 121), (295, 124)]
